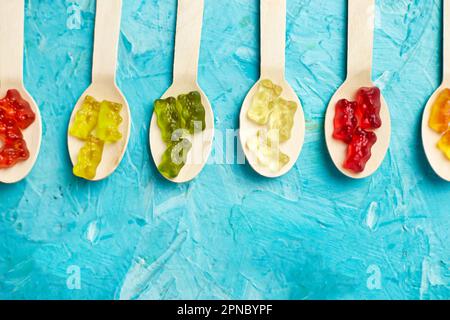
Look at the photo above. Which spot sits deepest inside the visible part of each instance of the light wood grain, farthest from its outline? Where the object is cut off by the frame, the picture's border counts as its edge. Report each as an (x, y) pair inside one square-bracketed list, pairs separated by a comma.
[(11, 77), (273, 40)]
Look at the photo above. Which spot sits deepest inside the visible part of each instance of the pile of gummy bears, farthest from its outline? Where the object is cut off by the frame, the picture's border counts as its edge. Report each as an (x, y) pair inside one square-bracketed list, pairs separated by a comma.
[(96, 123), (440, 120), (15, 115), (353, 124), (177, 118), (269, 109)]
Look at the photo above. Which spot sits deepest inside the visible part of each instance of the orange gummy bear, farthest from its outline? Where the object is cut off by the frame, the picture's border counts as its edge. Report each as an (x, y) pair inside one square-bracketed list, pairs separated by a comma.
[(444, 144), (440, 112)]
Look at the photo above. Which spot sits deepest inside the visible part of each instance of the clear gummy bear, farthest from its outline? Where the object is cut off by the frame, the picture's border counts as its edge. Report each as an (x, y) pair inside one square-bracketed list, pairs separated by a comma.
[(281, 120), (267, 151), (261, 106)]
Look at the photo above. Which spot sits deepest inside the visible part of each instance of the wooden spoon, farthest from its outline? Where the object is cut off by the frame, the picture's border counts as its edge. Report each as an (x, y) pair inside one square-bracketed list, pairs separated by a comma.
[(185, 74), (273, 45), (361, 23), (104, 87), (11, 77), (430, 138)]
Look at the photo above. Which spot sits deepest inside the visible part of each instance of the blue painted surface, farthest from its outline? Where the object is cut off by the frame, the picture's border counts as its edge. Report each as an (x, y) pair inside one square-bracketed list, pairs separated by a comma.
[(230, 233)]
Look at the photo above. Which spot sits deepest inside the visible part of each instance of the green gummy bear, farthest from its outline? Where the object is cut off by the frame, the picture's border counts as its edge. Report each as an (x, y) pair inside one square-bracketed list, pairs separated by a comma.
[(176, 119), (109, 120), (85, 119), (168, 117), (261, 107), (192, 111), (174, 158)]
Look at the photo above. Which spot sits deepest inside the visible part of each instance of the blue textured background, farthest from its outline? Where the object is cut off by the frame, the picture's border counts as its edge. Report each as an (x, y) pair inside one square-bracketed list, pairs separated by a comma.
[(230, 233)]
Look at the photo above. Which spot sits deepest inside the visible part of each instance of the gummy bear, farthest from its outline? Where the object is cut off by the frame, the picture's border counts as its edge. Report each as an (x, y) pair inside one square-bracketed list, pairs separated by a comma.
[(345, 121), (18, 109), (359, 150), (14, 147), (261, 106), (440, 112), (15, 114), (174, 158), (192, 111), (168, 117), (85, 119), (177, 118), (9, 130), (444, 144), (368, 108), (267, 152), (89, 158), (13, 152), (108, 123), (281, 119)]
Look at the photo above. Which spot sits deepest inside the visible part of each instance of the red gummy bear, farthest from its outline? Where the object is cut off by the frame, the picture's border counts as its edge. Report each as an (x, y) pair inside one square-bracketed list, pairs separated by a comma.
[(9, 130), (13, 152), (345, 121), (18, 109), (360, 150), (15, 114), (369, 106), (351, 121)]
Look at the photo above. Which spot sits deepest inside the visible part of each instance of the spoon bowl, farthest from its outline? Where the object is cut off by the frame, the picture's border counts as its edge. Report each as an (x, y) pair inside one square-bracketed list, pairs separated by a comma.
[(185, 74), (201, 142), (292, 147), (32, 135), (338, 149), (273, 65), (112, 152), (361, 24), (430, 138), (104, 87)]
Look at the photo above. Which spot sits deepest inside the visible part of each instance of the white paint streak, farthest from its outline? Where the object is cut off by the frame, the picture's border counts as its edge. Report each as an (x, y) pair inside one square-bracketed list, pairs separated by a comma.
[(92, 232), (139, 276), (372, 216)]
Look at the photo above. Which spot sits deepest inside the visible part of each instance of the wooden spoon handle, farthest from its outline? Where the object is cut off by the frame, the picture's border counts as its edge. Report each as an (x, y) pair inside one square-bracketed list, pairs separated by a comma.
[(187, 40), (446, 41), (11, 41), (273, 39), (361, 24), (106, 39)]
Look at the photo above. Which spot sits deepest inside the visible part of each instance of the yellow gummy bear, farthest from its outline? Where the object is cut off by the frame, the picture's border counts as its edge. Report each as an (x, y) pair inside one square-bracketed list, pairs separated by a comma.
[(444, 144), (267, 152), (440, 112), (85, 119), (261, 106), (109, 120), (281, 119), (89, 159)]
